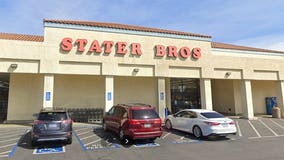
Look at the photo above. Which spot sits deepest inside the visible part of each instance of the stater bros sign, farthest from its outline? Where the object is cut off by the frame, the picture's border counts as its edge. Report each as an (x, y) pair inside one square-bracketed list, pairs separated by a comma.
[(123, 48)]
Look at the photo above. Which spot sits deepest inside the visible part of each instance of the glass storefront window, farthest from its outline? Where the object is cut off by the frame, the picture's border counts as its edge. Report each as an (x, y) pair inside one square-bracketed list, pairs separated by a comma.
[(185, 94)]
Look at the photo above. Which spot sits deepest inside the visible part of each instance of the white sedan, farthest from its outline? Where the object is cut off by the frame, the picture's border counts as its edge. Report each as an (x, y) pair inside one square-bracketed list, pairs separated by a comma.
[(201, 122)]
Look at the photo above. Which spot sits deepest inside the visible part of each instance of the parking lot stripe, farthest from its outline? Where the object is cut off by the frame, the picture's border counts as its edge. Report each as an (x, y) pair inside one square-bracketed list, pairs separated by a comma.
[(80, 142), (2, 156), (239, 129), (8, 140), (77, 130), (8, 145), (83, 133), (277, 124), (9, 133), (166, 135), (4, 152), (13, 135), (258, 135), (271, 130), (88, 137), (93, 142)]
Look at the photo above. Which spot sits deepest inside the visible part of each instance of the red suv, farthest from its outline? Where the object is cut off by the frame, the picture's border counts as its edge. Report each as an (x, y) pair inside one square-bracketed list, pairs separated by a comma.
[(133, 121)]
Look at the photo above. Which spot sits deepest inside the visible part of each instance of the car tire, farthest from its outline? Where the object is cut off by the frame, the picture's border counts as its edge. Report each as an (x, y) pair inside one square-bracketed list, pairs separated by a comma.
[(122, 138), (168, 124), (69, 140), (34, 143), (104, 126), (197, 132)]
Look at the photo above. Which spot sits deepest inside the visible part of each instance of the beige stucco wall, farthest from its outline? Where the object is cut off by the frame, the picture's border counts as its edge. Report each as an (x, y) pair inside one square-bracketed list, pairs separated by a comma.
[(260, 90), (73, 91), (134, 89), (79, 77), (223, 96), (25, 96)]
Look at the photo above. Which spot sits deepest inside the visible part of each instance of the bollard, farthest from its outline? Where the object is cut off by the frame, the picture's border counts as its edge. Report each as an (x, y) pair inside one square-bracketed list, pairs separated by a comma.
[(276, 113)]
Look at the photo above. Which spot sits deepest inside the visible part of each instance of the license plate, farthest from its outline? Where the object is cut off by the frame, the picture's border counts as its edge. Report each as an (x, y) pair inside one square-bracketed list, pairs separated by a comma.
[(147, 125), (225, 124), (52, 126)]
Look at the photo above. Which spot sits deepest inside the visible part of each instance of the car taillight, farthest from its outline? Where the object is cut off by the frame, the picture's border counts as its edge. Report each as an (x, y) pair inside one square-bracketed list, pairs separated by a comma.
[(232, 123), (134, 122), (68, 121), (158, 121), (38, 122), (212, 123)]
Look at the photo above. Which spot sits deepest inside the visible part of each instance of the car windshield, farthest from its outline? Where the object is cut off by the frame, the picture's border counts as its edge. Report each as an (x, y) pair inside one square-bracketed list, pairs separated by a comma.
[(52, 116), (212, 115), (144, 114)]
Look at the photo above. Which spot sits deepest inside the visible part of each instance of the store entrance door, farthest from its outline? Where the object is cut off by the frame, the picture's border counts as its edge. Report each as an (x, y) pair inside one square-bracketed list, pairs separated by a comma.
[(185, 94), (4, 92)]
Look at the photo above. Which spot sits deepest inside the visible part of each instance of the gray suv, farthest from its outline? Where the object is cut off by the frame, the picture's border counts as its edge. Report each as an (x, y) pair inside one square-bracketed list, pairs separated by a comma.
[(52, 125)]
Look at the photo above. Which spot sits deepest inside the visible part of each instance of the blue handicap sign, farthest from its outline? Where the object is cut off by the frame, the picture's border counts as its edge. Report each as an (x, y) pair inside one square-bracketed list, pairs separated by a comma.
[(49, 150), (146, 145)]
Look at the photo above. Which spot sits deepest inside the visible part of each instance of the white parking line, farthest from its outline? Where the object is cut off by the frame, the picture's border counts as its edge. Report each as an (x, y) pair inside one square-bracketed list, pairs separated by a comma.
[(277, 124), (9, 133), (77, 130), (2, 156), (166, 135), (258, 135), (239, 129), (265, 137), (83, 133), (8, 145), (88, 137), (93, 142), (9, 140), (5, 152), (13, 135), (271, 130)]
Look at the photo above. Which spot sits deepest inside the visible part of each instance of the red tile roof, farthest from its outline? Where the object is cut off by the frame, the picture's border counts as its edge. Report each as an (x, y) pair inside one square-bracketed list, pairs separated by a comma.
[(125, 27), (243, 48), (21, 37)]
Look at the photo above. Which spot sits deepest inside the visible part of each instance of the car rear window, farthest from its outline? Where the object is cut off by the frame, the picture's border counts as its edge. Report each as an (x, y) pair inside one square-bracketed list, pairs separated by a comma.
[(52, 116), (212, 115), (144, 114)]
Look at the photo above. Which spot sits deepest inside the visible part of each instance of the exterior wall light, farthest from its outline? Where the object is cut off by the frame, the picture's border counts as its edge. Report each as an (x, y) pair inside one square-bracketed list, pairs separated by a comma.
[(228, 74), (136, 70), (14, 66)]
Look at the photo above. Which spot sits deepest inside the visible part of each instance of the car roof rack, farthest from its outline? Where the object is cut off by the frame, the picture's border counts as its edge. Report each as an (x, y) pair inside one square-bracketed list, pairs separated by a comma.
[(135, 104)]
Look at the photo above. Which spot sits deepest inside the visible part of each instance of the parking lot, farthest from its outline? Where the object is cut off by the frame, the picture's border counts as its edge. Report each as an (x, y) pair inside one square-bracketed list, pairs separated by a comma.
[(91, 142)]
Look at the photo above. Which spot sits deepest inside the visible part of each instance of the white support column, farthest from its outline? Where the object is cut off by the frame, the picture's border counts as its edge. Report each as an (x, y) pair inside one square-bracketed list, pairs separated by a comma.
[(162, 97), (168, 94), (280, 96), (48, 91), (206, 94), (109, 95), (247, 102)]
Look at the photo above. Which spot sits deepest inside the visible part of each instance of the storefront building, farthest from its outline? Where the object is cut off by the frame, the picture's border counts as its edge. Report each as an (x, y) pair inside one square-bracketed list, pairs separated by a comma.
[(78, 64)]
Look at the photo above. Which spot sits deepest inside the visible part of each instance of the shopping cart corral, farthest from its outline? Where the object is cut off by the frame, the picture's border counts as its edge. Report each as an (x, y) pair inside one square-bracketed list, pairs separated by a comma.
[(86, 115)]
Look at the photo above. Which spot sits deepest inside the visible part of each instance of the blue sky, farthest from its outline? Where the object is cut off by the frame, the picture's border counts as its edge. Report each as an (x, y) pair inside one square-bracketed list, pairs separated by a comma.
[(255, 23)]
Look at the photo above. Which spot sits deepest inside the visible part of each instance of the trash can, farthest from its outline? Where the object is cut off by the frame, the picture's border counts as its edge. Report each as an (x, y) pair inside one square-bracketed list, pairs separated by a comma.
[(270, 103), (276, 113)]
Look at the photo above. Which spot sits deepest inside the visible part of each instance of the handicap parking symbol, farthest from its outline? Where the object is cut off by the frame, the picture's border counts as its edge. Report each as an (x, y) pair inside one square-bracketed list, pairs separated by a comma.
[(49, 150)]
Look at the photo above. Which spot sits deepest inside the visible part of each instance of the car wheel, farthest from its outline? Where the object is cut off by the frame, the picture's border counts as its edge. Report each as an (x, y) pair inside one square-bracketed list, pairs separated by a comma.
[(34, 143), (197, 132), (69, 140), (168, 124), (122, 137), (104, 126)]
